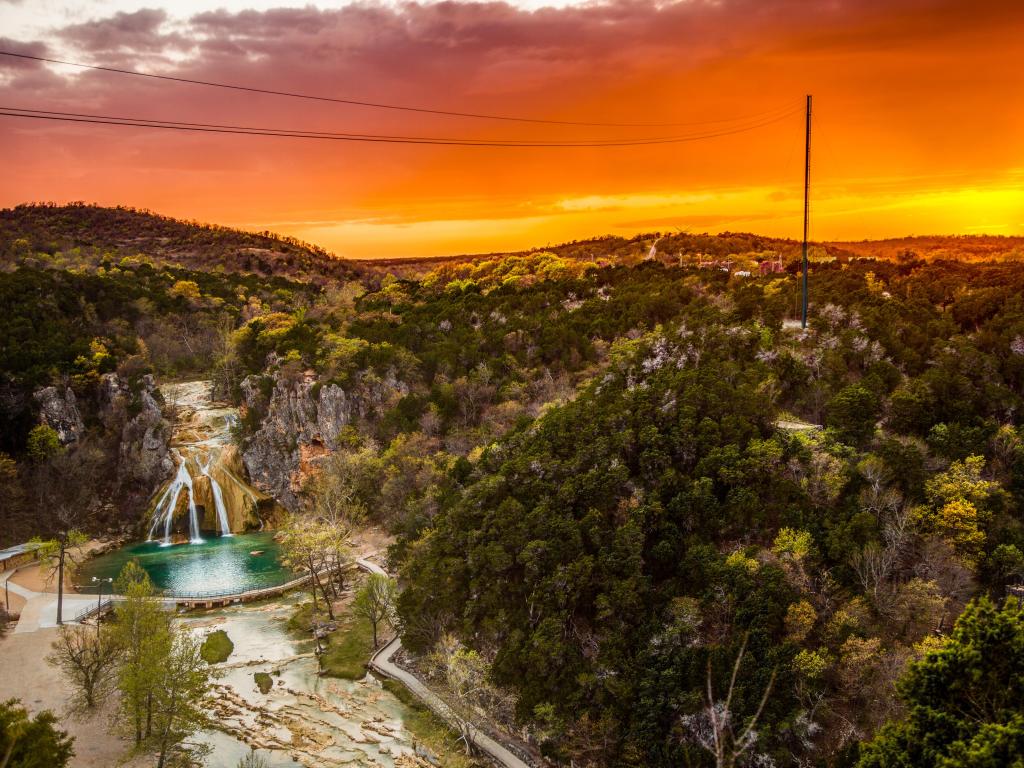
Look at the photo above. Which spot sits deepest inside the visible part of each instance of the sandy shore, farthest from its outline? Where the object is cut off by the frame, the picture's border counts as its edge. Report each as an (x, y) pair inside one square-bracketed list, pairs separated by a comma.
[(25, 675)]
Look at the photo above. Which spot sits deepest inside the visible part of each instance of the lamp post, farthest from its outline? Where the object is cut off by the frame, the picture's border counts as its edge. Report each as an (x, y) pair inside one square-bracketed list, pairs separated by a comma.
[(99, 597)]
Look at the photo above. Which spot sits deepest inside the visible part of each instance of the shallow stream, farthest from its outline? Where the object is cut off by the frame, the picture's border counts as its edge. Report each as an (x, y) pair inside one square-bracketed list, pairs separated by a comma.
[(304, 720)]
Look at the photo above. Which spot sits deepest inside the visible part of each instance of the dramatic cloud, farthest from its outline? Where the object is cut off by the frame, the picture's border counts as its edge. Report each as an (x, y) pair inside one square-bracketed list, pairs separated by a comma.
[(914, 99)]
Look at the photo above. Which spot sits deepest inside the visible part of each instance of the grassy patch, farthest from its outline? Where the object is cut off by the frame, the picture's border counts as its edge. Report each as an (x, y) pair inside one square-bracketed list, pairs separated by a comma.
[(302, 620), (430, 730), (348, 650), (264, 682), (216, 647)]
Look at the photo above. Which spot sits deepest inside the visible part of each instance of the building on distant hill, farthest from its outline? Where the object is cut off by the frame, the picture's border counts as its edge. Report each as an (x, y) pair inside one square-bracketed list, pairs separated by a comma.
[(771, 266)]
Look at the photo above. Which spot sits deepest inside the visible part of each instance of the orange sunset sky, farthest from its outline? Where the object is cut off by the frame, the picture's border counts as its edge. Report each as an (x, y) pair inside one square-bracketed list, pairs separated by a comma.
[(919, 116)]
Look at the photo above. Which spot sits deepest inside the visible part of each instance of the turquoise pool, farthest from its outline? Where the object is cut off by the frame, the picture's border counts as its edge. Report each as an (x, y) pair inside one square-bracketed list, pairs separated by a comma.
[(219, 565)]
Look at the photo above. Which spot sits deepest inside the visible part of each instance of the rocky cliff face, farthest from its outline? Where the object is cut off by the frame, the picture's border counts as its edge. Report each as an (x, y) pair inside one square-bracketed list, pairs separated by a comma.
[(302, 423), (58, 409), (143, 457)]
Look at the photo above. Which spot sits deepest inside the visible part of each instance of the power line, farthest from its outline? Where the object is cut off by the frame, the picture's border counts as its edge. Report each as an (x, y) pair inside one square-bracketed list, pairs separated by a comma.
[(376, 105), (300, 133), (75, 117)]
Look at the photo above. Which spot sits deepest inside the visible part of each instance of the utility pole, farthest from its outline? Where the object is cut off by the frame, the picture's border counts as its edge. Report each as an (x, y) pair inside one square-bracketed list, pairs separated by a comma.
[(807, 205)]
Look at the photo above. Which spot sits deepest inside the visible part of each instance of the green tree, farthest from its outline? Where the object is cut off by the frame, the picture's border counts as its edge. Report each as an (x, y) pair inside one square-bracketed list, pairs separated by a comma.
[(181, 698), (186, 289), (964, 700), (853, 413), (31, 742), (43, 443), (959, 509), (375, 601), (142, 630), (56, 556)]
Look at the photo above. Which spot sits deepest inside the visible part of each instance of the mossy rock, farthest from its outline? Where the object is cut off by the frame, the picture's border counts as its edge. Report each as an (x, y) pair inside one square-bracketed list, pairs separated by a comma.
[(216, 647), (264, 682)]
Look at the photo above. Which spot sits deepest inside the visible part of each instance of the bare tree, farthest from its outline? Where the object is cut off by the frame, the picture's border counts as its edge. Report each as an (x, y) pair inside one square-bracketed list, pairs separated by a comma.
[(878, 496), (375, 602), (336, 507), (874, 565), (714, 728), (88, 661), (467, 676), (310, 544)]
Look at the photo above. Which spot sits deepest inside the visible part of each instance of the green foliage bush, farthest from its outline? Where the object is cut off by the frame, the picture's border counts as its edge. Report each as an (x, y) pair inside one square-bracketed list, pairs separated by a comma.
[(964, 700), (263, 681), (32, 742)]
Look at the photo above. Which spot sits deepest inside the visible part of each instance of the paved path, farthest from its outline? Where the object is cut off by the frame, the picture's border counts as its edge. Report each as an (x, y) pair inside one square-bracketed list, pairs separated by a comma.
[(381, 662), (40, 609)]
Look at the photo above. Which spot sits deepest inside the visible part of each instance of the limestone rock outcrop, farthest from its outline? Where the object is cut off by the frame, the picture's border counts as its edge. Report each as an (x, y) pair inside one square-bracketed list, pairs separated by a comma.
[(144, 456), (58, 409), (303, 420)]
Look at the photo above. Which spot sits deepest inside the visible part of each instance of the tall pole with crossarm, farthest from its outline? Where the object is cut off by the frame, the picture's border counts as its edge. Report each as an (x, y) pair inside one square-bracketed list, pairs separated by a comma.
[(807, 207)]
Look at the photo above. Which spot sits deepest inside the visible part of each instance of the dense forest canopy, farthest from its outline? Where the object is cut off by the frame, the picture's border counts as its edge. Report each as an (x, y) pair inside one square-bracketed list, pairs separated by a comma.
[(618, 473)]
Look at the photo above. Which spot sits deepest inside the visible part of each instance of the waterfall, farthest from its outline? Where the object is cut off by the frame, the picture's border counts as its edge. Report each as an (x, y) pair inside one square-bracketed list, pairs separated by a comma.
[(174, 488), (201, 448), (193, 517), (168, 504), (218, 498)]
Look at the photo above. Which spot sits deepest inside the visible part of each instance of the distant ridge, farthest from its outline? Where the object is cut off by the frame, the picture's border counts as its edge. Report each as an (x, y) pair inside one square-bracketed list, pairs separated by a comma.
[(691, 246), (126, 231)]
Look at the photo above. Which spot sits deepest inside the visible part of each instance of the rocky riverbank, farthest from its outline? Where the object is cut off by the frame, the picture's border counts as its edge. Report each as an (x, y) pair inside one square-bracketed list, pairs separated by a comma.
[(303, 720)]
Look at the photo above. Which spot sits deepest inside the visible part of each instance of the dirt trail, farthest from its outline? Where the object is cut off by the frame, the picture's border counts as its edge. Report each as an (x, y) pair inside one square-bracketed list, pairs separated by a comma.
[(25, 675)]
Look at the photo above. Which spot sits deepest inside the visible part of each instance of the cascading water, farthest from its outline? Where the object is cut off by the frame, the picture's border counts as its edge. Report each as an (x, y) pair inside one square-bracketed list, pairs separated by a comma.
[(207, 482), (168, 504), (218, 498)]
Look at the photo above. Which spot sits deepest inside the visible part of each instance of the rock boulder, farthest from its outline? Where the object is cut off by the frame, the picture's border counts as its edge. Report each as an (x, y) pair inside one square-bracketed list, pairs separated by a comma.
[(59, 411)]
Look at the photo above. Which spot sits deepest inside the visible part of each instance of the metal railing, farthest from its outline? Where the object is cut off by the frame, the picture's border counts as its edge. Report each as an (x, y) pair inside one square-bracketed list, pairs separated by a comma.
[(98, 610), (171, 594), (289, 583)]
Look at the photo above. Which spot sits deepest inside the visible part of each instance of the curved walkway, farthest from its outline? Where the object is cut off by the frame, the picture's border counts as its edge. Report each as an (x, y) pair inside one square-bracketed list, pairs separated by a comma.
[(381, 663), (40, 609)]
